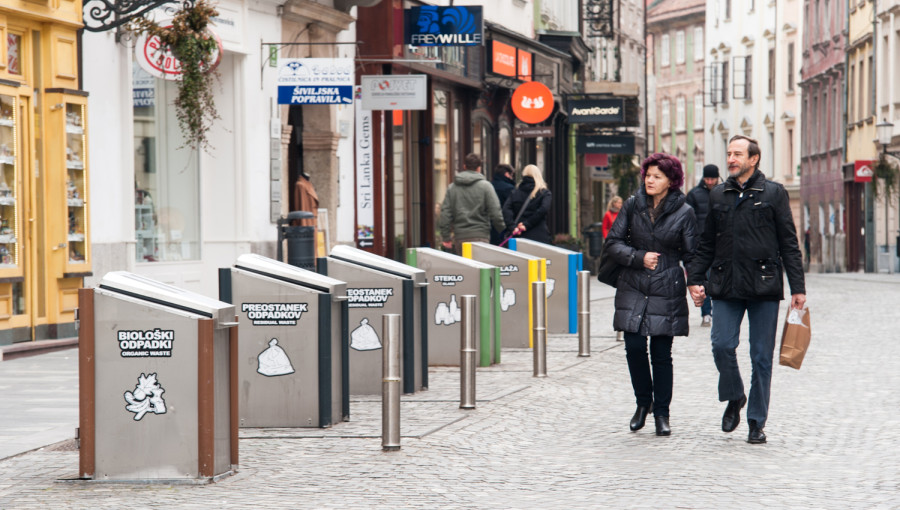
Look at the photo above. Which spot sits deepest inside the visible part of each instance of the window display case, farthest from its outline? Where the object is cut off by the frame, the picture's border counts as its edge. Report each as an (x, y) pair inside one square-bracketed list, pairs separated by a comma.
[(9, 189)]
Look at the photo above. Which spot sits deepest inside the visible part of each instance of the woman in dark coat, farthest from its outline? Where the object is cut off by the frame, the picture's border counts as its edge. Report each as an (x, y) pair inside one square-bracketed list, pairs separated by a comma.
[(655, 231), (533, 222)]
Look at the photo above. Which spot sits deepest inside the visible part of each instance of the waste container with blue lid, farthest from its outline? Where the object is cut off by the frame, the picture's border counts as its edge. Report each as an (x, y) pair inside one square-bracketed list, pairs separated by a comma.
[(157, 382), (377, 286), (292, 343), (562, 282), (450, 277)]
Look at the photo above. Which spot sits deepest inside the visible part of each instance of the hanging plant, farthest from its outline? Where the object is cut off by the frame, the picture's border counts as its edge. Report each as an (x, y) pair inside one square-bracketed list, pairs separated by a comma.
[(196, 48), (885, 178)]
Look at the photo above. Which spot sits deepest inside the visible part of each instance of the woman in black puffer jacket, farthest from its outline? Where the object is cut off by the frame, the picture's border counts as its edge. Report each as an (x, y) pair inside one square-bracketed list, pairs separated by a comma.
[(653, 233), (532, 224)]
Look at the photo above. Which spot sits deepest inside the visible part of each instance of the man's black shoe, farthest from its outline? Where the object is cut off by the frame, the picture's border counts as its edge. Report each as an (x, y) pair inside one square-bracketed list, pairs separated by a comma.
[(732, 416), (757, 436), (662, 426)]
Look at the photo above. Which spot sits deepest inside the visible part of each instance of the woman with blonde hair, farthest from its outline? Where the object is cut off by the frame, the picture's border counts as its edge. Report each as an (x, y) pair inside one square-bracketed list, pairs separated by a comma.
[(525, 211)]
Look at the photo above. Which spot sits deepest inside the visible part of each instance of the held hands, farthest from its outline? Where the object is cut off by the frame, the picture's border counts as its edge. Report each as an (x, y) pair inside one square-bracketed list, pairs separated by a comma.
[(518, 230), (798, 300), (447, 244), (698, 294), (651, 259)]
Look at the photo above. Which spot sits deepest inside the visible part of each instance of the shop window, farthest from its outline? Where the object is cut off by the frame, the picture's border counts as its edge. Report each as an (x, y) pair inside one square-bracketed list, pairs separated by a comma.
[(166, 176), (14, 53), (481, 143), (505, 153), (441, 148)]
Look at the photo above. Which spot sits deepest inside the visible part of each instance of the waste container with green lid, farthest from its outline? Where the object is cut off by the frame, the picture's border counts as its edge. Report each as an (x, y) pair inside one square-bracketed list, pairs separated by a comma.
[(562, 282), (377, 286), (157, 382), (292, 343), (450, 277), (517, 271)]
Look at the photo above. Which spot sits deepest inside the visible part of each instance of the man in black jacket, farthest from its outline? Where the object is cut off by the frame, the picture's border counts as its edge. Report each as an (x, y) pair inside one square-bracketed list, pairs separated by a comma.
[(698, 199), (503, 185), (748, 241)]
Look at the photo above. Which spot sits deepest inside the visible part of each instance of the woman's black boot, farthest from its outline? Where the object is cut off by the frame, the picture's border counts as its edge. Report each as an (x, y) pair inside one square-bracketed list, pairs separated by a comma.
[(639, 418), (662, 426)]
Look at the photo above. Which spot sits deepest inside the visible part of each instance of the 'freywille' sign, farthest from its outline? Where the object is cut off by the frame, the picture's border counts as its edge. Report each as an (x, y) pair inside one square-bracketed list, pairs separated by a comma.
[(430, 25)]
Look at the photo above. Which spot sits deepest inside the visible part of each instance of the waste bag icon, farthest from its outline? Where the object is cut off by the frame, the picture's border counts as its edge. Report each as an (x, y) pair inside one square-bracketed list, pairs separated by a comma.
[(273, 361), (364, 338)]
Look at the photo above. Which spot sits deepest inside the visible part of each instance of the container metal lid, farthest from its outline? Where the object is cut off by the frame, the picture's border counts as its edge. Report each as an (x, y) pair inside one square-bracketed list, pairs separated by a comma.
[(147, 289), (455, 259), (291, 274), (364, 258)]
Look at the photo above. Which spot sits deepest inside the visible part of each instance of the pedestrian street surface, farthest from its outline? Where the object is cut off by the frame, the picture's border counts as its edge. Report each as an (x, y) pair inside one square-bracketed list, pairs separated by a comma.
[(563, 441)]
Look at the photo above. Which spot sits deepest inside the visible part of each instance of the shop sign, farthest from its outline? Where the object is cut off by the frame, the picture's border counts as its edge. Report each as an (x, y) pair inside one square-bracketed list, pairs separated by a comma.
[(365, 193), (862, 170), (315, 80), (596, 110), (532, 102), (143, 88), (533, 131), (510, 61), (430, 25), (162, 64), (394, 92), (613, 144)]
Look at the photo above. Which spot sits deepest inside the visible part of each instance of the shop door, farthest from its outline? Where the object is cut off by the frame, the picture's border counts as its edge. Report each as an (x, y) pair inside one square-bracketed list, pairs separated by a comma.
[(855, 213)]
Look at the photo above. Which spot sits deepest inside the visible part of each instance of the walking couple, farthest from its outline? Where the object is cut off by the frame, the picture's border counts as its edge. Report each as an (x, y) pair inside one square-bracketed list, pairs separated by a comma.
[(747, 242)]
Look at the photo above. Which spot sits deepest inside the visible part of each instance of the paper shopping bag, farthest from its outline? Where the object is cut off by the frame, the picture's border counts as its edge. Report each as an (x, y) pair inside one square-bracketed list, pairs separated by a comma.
[(795, 338)]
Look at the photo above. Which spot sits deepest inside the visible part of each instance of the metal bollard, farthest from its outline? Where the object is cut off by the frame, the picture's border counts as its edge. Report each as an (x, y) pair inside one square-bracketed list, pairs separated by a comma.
[(390, 386), (467, 354), (584, 314), (539, 320)]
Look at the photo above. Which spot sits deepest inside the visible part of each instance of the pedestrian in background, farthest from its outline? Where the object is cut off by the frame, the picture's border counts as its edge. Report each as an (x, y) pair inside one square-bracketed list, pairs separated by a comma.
[(654, 232), (612, 210), (525, 211), (698, 198), (469, 208), (503, 185), (748, 239)]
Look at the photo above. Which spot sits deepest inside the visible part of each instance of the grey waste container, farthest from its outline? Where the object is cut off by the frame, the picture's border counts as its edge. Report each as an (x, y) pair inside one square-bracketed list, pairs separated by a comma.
[(376, 286), (562, 282), (292, 343), (301, 240), (450, 277), (157, 382), (517, 272)]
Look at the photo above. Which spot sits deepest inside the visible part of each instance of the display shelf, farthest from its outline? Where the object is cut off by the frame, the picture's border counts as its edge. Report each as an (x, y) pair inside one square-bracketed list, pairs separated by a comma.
[(9, 182)]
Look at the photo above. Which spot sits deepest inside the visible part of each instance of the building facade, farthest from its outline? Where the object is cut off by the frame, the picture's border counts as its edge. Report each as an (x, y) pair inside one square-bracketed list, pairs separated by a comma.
[(887, 110), (822, 148), (788, 106), (675, 29)]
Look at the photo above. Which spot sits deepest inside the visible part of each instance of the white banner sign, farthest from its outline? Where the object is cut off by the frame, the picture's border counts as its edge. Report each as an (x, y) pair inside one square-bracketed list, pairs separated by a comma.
[(365, 191), (315, 80), (395, 92)]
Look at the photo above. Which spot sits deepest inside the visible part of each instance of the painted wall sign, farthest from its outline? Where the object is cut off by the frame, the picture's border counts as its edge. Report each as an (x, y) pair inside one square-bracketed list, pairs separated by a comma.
[(365, 194), (152, 343), (274, 314), (617, 144), (315, 80), (862, 170), (394, 92), (430, 25), (596, 110), (162, 64), (532, 102)]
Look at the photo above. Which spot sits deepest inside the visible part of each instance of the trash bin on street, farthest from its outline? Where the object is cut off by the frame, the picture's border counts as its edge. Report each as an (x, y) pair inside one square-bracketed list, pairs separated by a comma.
[(157, 382), (517, 271), (376, 286), (562, 282), (301, 240), (451, 277), (292, 343), (594, 235)]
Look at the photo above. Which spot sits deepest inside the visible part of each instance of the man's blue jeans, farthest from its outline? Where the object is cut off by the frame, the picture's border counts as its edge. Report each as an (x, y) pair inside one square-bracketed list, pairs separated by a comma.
[(706, 309), (726, 329)]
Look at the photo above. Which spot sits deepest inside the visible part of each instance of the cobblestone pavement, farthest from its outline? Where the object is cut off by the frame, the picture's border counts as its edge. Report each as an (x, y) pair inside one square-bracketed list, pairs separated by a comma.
[(563, 441)]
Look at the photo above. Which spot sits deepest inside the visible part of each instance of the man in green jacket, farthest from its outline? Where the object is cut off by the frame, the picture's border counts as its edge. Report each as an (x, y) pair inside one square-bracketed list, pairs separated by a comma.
[(469, 209)]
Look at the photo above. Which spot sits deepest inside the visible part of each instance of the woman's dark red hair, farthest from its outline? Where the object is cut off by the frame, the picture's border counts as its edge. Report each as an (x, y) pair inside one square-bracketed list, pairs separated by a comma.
[(668, 165)]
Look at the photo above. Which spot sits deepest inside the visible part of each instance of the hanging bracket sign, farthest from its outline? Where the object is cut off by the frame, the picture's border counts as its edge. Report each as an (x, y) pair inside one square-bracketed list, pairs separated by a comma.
[(315, 80), (532, 102), (163, 64)]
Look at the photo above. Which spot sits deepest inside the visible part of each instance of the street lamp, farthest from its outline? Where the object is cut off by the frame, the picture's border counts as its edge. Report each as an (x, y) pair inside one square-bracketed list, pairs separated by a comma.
[(885, 131)]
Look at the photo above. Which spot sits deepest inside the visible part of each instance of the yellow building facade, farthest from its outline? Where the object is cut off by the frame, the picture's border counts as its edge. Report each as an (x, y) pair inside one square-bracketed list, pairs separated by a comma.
[(44, 222)]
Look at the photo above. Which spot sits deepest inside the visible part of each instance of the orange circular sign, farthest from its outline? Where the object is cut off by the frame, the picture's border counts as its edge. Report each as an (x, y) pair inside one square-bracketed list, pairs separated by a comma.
[(532, 102)]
